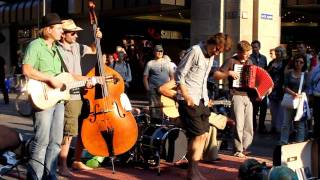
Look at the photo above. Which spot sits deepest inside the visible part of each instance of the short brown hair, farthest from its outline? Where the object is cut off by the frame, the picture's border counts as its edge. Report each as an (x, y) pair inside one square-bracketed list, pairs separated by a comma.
[(220, 39), (244, 46)]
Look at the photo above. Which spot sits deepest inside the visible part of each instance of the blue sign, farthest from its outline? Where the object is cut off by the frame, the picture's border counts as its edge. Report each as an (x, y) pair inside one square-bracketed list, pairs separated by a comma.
[(266, 16)]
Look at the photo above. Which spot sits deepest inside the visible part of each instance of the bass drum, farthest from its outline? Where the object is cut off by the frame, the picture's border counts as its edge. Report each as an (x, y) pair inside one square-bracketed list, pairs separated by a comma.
[(163, 142)]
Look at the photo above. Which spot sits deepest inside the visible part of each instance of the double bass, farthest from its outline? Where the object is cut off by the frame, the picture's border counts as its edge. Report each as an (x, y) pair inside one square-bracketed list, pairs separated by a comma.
[(109, 129)]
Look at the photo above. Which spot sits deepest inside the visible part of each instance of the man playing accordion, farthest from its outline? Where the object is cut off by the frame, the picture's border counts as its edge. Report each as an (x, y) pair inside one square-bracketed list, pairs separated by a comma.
[(241, 104)]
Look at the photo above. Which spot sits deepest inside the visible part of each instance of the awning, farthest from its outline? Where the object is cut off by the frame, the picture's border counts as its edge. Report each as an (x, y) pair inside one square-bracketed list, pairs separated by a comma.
[(81, 6), (25, 12)]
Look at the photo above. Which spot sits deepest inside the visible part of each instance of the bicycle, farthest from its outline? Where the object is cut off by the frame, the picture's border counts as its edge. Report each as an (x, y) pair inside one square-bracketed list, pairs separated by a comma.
[(22, 103)]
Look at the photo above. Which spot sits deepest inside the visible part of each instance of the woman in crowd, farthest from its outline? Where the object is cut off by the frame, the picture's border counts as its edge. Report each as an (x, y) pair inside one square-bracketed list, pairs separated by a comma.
[(276, 70), (291, 85)]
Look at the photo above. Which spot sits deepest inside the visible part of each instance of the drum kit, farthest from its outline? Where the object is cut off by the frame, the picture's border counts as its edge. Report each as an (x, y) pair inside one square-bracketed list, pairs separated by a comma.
[(156, 141)]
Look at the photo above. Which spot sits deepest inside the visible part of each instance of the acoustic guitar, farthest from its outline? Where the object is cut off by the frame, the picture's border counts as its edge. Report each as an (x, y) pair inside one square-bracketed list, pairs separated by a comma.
[(170, 106), (43, 96)]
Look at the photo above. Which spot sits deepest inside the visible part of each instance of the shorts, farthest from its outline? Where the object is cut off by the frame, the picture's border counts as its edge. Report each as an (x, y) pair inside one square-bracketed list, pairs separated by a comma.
[(195, 119), (71, 115)]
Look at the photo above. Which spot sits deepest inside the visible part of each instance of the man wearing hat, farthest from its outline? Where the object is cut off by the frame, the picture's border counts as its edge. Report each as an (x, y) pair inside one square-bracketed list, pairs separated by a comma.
[(42, 63), (71, 53), (156, 73)]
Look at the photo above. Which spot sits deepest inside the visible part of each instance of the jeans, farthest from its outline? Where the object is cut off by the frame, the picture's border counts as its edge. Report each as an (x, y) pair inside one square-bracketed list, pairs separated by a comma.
[(277, 112), (299, 126), (48, 127), (155, 104)]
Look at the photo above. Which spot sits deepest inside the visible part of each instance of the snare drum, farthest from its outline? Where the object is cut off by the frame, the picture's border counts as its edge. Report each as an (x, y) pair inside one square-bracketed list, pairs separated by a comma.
[(163, 142)]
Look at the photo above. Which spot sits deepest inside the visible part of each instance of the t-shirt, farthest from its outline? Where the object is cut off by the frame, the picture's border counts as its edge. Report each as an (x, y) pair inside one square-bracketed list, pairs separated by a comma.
[(293, 83), (72, 56), (72, 59), (158, 72), (228, 65)]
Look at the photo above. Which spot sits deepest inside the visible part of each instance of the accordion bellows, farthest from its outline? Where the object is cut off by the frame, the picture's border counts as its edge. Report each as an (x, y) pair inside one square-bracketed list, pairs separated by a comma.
[(254, 77)]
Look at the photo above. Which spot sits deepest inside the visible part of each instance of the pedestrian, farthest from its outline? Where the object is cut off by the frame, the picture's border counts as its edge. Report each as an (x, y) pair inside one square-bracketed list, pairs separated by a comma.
[(292, 81), (157, 72), (259, 107), (241, 108), (272, 53), (191, 77), (3, 88), (123, 68), (276, 70), (71, 52), (42, 63)]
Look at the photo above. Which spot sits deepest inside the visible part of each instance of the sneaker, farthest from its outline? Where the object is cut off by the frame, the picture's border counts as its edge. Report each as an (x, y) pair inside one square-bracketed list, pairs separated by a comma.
[(239, 155)]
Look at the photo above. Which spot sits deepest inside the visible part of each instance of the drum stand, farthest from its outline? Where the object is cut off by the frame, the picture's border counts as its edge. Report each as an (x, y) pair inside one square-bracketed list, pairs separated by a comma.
[(112, 164), (158, 156)]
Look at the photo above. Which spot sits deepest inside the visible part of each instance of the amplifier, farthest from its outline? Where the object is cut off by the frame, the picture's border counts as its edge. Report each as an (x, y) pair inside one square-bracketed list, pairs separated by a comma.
[(303, 158)]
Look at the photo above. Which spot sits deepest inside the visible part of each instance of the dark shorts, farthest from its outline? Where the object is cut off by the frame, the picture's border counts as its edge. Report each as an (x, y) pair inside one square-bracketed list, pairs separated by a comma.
[(195, 119)]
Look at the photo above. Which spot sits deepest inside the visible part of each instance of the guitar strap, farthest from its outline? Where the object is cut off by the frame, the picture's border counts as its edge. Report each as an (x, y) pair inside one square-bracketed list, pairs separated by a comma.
[(64, 67)]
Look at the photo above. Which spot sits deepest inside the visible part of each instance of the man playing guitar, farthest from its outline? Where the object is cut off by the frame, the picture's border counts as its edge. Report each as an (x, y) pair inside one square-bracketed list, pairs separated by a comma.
[(42, 63)]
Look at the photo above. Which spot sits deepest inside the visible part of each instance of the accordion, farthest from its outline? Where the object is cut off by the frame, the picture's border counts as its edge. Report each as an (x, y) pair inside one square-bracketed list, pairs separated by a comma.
[(253, 77)]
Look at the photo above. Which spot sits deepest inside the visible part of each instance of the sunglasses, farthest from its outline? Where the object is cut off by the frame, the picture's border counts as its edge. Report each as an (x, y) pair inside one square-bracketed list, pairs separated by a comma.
[(72, 33), (160, 51)]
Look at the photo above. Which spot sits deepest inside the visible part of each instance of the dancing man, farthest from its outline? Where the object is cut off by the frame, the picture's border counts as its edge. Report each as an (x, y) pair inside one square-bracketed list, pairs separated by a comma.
[(191, 78)]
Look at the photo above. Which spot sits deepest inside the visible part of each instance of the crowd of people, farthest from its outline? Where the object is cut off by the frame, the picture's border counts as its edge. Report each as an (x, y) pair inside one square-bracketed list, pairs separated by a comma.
[(184, 80)]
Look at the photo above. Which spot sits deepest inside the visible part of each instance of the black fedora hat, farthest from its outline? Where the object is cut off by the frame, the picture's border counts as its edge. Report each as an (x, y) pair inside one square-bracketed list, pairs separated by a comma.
[(50, 19)]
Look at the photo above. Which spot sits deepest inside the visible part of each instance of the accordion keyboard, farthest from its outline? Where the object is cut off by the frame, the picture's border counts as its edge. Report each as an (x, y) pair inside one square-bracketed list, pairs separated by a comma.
[(237, 82)]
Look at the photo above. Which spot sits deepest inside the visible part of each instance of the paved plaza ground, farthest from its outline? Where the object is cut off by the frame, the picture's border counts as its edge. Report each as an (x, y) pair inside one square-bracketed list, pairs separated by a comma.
[(227, 168)]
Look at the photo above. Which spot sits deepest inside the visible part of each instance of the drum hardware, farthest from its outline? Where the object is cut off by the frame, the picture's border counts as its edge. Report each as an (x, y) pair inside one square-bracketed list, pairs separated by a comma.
[(157, 142)]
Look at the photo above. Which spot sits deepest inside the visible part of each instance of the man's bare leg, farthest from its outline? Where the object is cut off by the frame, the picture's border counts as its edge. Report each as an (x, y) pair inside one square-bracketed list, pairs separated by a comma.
[(195, 150), (63, 168), (77, 164)]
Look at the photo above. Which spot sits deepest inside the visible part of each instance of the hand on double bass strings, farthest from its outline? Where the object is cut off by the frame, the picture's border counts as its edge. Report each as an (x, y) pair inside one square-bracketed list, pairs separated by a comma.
[(95, 80), (98, 33), (98, 80)]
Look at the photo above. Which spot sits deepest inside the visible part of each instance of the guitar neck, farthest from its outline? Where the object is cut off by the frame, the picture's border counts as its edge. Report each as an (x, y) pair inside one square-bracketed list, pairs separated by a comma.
[(76, 84)]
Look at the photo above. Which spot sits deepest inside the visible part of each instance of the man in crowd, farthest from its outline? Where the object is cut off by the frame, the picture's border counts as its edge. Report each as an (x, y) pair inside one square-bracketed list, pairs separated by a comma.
[(191, 78), (71, 53), (259, 107), (157, 72), (123, 68), (242, 109), (42, 63)]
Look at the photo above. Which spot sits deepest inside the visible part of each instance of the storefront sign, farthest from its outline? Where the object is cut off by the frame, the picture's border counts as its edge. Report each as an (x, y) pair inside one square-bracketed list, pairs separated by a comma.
[(165, 34), (266, 16)]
